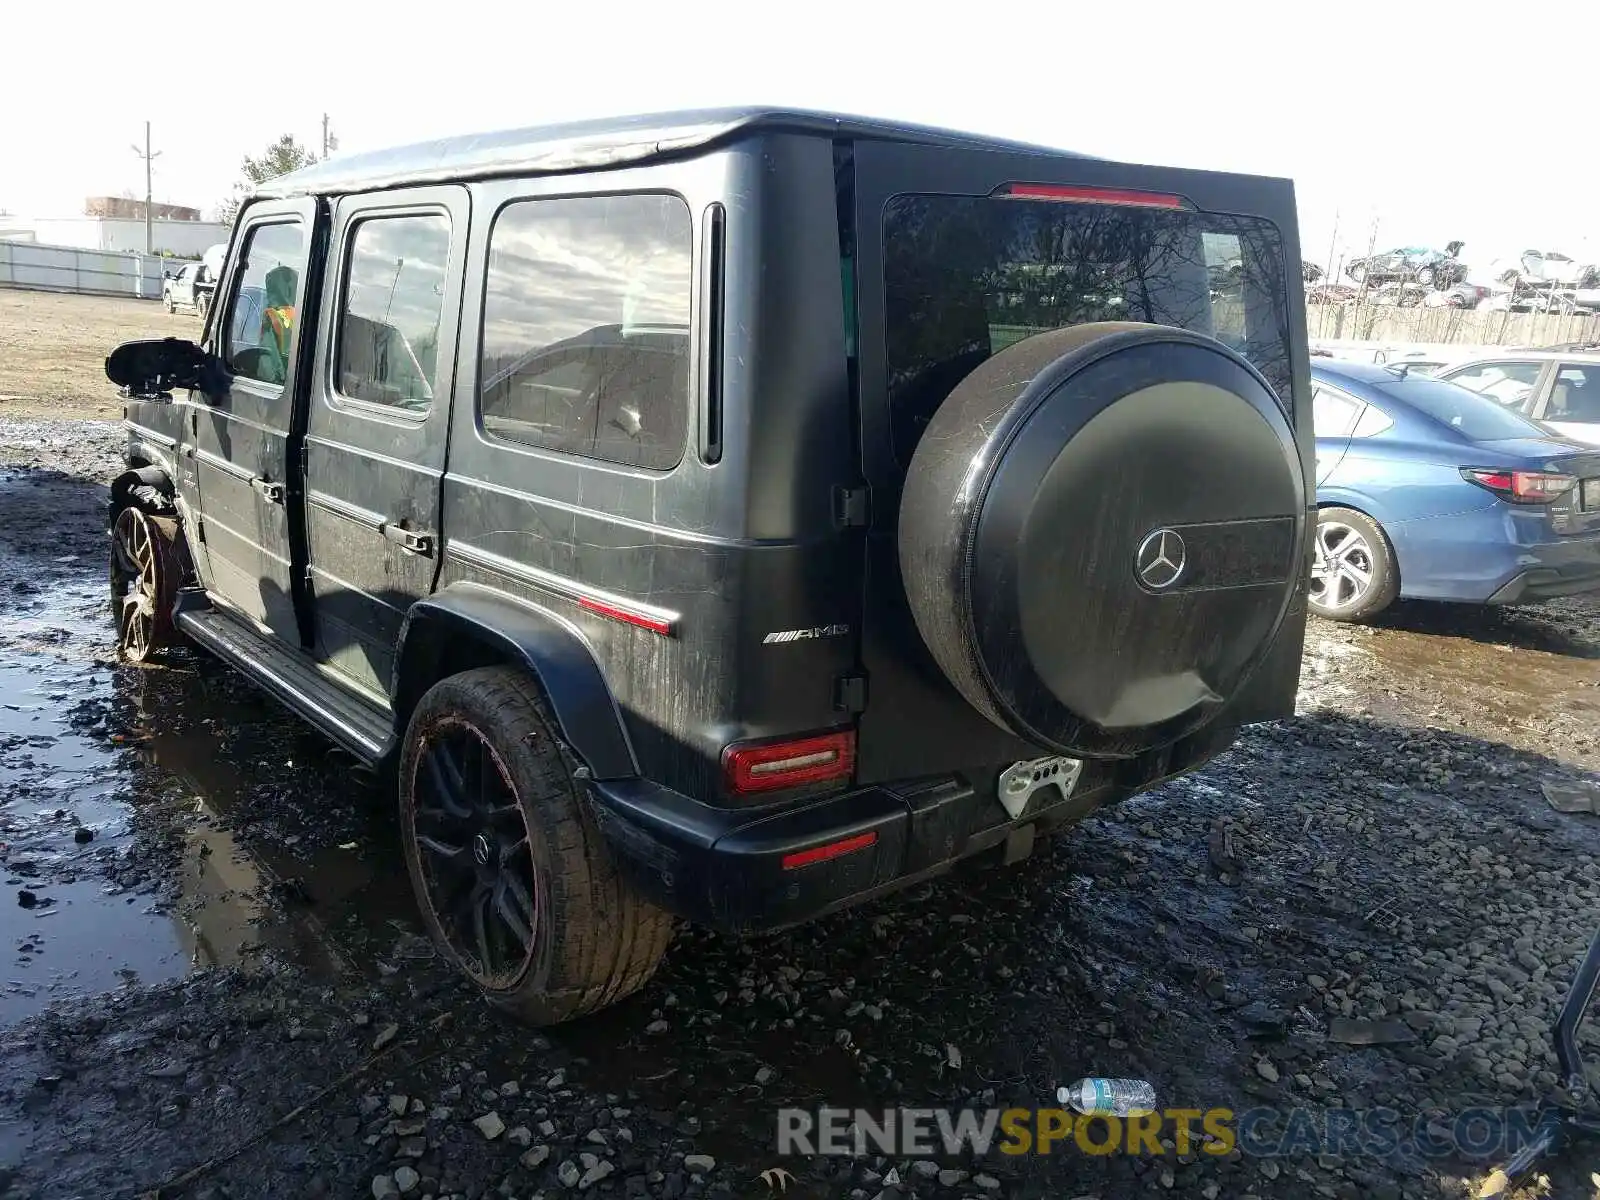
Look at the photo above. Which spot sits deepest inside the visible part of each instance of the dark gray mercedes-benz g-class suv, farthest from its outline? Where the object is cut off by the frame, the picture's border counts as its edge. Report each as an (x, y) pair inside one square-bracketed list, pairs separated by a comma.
[(734, 514)]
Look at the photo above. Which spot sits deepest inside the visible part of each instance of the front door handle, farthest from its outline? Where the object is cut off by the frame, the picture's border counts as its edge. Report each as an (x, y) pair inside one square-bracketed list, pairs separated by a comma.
[(409, 540), (271, 492)]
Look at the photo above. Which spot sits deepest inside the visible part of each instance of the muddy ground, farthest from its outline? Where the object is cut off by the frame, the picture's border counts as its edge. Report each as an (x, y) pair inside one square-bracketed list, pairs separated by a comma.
[(219, 987)]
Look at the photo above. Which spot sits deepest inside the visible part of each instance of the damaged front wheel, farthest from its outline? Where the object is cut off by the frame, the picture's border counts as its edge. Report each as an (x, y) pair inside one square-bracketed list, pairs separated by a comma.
[(145, 574)]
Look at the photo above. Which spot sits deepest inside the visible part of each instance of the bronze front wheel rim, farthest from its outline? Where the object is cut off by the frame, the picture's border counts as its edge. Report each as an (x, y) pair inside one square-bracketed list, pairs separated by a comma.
[(137, 582)]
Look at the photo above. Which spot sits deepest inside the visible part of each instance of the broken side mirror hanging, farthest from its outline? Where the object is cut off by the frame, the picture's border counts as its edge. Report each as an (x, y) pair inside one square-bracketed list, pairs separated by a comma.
[(151, 370)]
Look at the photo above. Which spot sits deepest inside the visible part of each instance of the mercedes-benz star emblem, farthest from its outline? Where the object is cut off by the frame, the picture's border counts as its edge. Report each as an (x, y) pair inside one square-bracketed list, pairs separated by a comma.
[(481, 850), (1160, 559)]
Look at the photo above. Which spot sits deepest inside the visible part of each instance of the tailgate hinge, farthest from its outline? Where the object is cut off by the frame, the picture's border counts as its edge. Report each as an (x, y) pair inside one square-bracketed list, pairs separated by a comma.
[(852, 506), (850, 693)]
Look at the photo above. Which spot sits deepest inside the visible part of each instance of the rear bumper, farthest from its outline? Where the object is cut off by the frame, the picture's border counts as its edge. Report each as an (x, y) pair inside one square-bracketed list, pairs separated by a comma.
[(1551, 569), (724, 867), (1545, 583), (1495, 555)]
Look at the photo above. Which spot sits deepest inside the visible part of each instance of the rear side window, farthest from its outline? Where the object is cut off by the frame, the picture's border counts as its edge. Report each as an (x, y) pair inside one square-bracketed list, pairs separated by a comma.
[(967, 276), (1333, 415), (388, 348), (586, 327)]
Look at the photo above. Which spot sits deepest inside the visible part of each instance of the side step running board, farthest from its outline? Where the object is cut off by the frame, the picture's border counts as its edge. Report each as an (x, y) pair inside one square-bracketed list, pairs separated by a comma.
[(353, 722)]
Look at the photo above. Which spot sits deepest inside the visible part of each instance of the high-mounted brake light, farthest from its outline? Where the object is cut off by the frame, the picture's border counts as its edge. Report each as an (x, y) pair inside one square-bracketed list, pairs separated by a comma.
[(1521, 487), (1089, 195), (769, 766)]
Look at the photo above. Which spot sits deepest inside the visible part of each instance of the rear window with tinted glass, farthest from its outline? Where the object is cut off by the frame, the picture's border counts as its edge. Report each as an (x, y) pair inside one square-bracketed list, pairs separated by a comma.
[(968, 276), (1476, 417)]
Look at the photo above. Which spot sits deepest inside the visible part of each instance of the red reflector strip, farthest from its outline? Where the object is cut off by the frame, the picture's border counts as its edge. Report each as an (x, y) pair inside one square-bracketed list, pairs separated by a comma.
[(1090, 195), (804, 858), (628, 616)]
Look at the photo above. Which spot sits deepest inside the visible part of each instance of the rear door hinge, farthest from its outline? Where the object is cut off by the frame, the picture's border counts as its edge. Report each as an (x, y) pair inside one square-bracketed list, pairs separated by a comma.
[(852, 506), (850, 693)]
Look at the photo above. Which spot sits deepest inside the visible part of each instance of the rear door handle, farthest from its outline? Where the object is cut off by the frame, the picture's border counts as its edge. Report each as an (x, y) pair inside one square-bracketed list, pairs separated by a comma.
[(409, 540), (271, 492)]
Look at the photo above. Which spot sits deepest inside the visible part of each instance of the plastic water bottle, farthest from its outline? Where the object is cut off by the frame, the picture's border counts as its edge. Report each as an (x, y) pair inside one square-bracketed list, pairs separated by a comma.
[(1109, 1097)]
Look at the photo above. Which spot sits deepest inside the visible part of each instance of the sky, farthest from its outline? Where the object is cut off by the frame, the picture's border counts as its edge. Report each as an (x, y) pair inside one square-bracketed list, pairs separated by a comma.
[(1440, 121)]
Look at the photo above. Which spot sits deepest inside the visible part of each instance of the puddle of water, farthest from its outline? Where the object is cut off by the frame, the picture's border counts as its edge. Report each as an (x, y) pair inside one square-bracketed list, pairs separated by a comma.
[(195, 761), (80, 939), (85, 943), (358, 886)]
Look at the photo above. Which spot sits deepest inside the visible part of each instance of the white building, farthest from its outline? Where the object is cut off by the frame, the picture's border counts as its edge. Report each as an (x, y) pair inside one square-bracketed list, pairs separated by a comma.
[(186, 239)]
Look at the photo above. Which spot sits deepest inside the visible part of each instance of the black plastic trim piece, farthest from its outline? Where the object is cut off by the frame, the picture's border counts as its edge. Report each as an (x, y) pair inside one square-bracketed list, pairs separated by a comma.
[(714, 292), (544, 644)]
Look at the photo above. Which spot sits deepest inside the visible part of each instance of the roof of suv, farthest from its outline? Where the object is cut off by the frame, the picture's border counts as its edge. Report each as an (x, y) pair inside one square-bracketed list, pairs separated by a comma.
[(605, 142)]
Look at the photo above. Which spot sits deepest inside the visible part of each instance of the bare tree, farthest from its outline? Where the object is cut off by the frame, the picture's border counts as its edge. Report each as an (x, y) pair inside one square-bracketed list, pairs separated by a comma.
[(281, 157)]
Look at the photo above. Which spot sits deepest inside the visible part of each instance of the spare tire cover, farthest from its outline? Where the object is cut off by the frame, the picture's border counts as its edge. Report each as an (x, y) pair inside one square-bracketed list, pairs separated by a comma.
[(1100, 534)]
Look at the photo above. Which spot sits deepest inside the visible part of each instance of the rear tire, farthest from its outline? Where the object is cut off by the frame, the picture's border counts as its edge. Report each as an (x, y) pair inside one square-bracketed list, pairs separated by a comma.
[(512, 877), (1353, 575), (202, 305)]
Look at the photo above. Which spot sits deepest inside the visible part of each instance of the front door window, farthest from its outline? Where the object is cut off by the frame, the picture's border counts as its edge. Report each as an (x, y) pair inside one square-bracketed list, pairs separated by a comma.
[(262, 325)]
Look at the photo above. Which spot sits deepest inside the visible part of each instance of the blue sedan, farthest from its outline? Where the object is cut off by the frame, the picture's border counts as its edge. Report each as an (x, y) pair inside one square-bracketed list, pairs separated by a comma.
[(1428, 490)]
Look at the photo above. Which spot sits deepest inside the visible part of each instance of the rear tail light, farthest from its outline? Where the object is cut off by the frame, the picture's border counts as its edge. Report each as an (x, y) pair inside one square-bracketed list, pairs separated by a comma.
[(1089, 195), (752, 767), (1521, 487)]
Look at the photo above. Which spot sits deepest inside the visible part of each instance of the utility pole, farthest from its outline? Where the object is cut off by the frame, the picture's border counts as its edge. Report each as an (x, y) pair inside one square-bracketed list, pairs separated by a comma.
[(330, 143), (149, 157)]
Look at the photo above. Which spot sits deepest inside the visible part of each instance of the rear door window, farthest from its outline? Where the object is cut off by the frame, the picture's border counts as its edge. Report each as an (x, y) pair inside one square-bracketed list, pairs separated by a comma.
[(968, 276), (389, 316), (586, 327)]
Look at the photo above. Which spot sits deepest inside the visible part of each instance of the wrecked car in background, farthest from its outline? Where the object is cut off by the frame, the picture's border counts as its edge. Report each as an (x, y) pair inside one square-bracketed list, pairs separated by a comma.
[(1411, 265)]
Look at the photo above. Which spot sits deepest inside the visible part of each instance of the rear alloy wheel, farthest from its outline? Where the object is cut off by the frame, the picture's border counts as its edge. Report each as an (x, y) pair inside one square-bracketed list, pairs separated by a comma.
[(1353, 573), (202, 305), (146, 569), (510, 872)]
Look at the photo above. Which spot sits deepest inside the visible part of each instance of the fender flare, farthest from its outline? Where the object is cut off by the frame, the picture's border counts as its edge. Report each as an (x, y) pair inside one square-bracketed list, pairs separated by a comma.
[(544, 644), (1362, 503), (1379, 513)]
